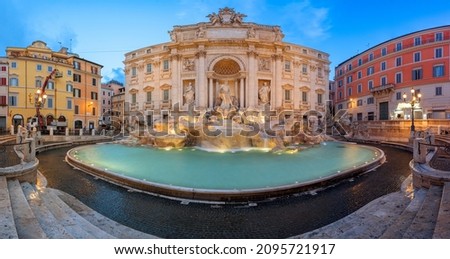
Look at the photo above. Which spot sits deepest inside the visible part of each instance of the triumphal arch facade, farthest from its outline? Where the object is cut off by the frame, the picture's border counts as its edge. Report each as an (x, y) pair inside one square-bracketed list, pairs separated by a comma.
[(226, 63)]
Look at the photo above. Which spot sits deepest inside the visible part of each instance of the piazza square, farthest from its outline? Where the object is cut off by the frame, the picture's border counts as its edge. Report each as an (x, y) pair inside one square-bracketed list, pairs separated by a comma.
[(227, 130)]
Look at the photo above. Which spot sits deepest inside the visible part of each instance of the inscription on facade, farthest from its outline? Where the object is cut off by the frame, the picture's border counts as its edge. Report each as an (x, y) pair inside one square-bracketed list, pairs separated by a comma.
[(232, 33)]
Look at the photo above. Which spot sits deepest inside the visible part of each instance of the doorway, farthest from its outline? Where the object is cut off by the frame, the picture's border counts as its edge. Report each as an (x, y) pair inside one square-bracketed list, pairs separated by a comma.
[(384, 111)]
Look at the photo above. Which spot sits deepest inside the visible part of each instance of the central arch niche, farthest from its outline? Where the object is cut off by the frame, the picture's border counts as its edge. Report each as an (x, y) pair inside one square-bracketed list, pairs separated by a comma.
[(228, 72), (226, 67)]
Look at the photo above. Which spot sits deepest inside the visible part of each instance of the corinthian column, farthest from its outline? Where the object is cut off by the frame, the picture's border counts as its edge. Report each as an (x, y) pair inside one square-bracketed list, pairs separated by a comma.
[(177, 87), (241, 93), (252, 96), (201, 87), (276, 86), (211, 93)]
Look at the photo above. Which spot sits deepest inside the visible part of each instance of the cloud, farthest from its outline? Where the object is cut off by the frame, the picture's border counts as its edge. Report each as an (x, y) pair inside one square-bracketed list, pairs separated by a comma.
[(114, 74), (307, 20)]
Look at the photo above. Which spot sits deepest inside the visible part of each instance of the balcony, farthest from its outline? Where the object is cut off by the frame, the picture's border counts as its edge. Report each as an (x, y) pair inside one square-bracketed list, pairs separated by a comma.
[(149, 105), (320, 107), (305, 106), (382, 89), (134, 106), (288, 104), (166, 104)]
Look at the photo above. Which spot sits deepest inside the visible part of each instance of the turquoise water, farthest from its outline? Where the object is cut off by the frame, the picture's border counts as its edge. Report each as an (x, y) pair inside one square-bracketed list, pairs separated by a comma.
[(194, 168)]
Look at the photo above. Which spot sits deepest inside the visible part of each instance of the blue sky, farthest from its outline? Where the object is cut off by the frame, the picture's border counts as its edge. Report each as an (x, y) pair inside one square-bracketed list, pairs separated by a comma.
[(102, 31)]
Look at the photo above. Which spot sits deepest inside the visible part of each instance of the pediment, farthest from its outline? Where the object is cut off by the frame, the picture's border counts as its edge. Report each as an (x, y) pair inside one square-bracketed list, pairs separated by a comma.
[(305, 88), (165, 87), (148, 88), (320, 91), (133, 91), (288, 87)]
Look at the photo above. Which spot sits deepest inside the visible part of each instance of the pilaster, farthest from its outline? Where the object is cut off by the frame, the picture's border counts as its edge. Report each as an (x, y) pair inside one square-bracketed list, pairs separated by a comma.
[(201, 89), (252, 92)]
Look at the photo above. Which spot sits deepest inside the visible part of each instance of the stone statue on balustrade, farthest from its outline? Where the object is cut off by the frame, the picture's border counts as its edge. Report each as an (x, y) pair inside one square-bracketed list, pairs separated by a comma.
[(201, 32), (173, 36), (251, 32)]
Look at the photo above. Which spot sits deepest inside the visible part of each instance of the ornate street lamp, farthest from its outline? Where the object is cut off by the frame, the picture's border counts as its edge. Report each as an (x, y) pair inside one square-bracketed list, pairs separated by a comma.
[(414, 100), (40, 97)]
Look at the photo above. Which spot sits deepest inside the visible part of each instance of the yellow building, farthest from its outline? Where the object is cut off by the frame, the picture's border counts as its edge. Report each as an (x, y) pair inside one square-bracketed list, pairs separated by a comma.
[(28, 69), (64, 105)]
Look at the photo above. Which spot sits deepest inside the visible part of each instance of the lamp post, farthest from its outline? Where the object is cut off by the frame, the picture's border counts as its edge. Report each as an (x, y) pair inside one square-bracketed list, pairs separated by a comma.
[(39, 101), (414, 100), (40, 98)]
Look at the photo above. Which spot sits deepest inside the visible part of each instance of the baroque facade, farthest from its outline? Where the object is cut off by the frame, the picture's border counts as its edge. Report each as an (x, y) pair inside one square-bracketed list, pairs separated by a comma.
[(371, 84), (225, 63)]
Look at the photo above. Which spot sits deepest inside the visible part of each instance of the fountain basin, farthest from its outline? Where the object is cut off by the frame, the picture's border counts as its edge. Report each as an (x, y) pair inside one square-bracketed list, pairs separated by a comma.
[(233, 175)]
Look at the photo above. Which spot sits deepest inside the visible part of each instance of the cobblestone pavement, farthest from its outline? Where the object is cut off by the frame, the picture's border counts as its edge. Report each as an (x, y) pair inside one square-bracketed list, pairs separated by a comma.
[(279, 218)]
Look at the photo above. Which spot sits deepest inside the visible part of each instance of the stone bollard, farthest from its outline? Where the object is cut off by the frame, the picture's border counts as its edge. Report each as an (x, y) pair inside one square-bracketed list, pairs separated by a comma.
[(11, 129), (67, 131), (29, 150), (439, 130), (93, 132), (51, 131), (19, 135), (420, 151), (34, 132), (81, 132)]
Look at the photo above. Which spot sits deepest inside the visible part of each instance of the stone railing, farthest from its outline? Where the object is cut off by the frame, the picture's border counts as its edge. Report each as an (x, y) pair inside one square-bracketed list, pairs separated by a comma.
[(400, 130), (18, 160), (431, 162)]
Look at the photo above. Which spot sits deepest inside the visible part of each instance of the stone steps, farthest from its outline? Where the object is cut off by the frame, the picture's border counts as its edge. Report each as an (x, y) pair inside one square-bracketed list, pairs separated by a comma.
[(75, 225), (395, 216), (27, 211), (46, 219), (368, 222), (6, 138), (396, 230), (442, 229), (423, 224), (7, 225), (102, 222), (26, 223)]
